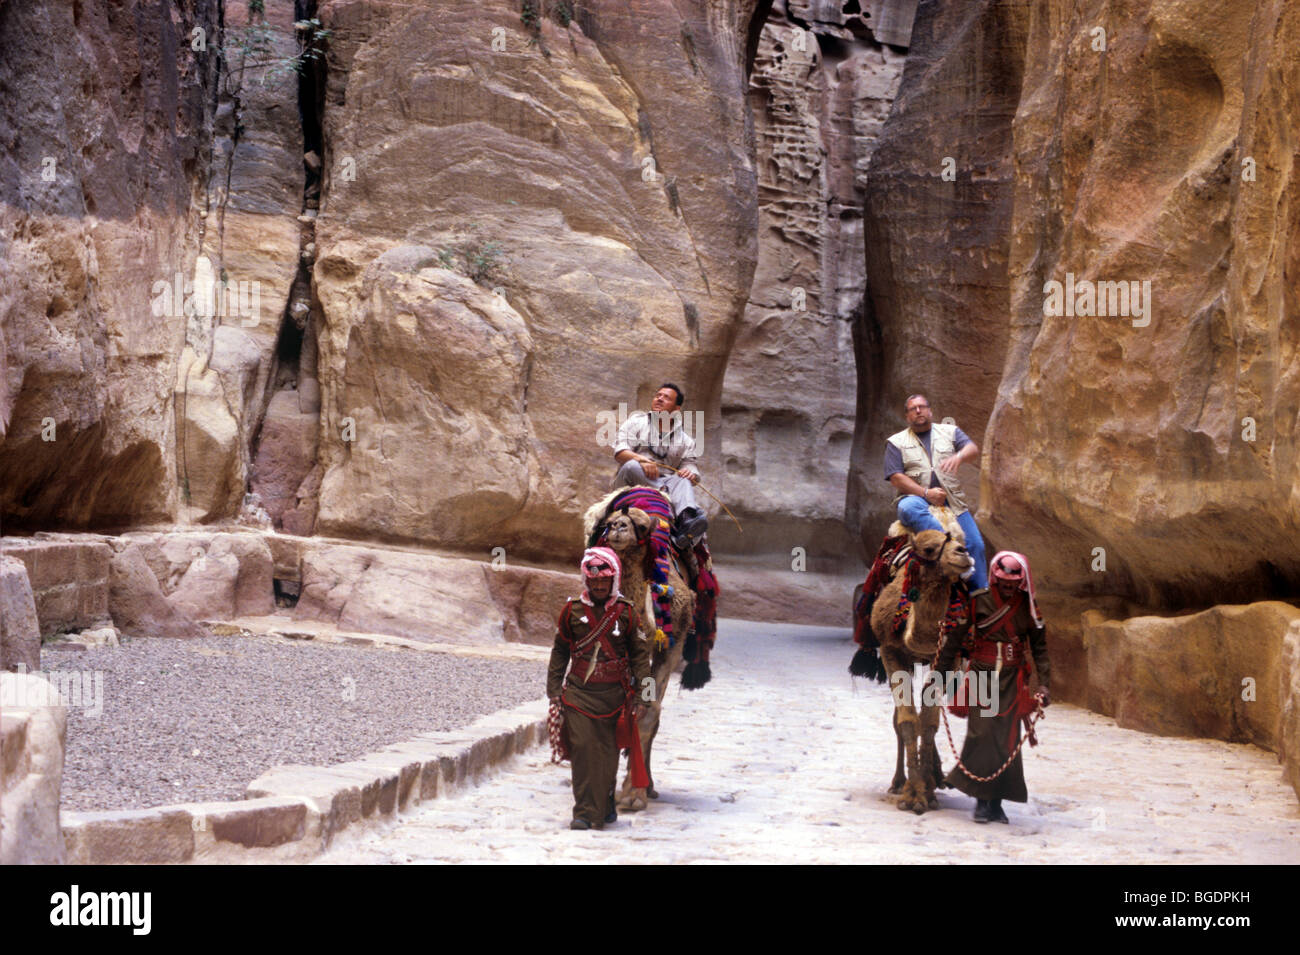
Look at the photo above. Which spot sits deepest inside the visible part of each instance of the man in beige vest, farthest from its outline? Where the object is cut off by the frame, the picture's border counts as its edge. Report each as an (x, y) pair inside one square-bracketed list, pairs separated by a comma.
[(921, 461)]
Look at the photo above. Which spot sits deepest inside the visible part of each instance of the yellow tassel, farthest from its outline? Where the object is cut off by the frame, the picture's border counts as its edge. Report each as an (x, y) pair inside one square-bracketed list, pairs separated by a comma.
[(661, 640)]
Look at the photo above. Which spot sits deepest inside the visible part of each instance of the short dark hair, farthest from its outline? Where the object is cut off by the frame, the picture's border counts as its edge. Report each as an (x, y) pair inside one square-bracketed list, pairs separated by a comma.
[(681, 398), (910, 397)]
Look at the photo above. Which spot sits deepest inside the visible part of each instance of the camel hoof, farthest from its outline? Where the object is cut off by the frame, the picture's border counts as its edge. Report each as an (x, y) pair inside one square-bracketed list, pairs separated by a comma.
[(652, 793), (633, 801), (895, 788), (932, 802)]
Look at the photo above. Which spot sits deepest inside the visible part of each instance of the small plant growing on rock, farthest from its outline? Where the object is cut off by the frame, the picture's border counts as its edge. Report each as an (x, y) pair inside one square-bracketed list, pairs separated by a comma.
[(482, 260), (530, 16), (256, 49)]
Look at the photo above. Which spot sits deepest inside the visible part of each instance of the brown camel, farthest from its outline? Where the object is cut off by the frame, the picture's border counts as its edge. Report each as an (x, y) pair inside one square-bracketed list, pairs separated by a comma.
[(938, 561), (628, 534)]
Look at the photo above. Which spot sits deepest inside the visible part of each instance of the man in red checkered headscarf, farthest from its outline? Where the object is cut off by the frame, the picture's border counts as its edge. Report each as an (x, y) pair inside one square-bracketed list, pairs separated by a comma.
[(597, 640), (1008, 632)]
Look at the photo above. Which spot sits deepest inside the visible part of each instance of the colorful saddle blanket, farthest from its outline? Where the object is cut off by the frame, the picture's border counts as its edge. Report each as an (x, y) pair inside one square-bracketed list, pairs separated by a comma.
[(704, 629)]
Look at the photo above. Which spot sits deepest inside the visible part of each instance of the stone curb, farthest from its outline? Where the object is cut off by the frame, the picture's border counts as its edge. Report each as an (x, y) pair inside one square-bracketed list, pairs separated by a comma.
[(294, 812)]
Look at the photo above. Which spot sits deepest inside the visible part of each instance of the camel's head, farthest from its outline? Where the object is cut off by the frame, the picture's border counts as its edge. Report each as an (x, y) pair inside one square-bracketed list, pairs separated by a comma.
[(628, 528), (951, 555)]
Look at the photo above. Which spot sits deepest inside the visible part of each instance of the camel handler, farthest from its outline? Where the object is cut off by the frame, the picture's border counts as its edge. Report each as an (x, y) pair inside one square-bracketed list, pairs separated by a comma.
[(652, 438), (1008, 628), (597, 639)]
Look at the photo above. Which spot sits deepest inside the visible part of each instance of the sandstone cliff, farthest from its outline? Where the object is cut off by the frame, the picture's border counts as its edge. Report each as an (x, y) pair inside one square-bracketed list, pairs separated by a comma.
[(105, 128), (821, 87), (1124, 143)]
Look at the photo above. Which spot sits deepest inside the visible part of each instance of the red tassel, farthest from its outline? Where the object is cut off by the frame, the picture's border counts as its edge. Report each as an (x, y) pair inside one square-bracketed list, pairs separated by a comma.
[(628, 736)]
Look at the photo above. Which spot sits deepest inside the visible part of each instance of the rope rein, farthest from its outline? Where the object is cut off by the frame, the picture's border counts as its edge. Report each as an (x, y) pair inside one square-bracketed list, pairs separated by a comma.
[(1027, 737)]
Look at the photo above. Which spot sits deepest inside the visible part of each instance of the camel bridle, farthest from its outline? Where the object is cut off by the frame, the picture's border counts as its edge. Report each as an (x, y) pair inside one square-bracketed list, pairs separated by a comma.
[(947, 539)]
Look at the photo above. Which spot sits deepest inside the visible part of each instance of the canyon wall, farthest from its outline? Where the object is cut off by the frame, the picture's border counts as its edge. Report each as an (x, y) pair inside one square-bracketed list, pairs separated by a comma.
[(1145, 458), (525, 221), (106, 130), (821, 87)]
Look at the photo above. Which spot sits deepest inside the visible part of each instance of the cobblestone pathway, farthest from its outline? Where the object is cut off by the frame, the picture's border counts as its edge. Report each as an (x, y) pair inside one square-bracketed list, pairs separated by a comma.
[(783, 759)]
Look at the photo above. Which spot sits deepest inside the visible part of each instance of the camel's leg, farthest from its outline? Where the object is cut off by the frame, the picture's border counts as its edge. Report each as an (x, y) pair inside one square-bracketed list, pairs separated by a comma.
[(936, 765), (907, 725), (930, 768), (650, 790), (896, 785), (633, 799)]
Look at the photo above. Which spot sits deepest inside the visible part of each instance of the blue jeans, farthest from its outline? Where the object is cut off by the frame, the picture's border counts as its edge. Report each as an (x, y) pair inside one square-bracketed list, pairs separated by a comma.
[(914, 513)]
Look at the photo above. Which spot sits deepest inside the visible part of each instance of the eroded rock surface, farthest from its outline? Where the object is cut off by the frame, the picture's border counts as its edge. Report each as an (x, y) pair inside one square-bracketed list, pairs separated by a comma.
[(1144, 457), (603, 167), (821, 87)]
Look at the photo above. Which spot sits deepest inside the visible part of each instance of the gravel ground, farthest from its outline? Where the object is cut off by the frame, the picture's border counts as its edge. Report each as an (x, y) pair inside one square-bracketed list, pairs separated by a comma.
[(198, 720)]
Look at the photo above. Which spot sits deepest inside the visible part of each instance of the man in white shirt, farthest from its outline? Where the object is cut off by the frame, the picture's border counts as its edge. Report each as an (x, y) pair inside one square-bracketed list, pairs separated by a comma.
[(649, 439)]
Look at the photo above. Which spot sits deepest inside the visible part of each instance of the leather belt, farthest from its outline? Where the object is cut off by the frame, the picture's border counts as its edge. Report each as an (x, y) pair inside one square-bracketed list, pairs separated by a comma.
[(606, 671), (990, 651)]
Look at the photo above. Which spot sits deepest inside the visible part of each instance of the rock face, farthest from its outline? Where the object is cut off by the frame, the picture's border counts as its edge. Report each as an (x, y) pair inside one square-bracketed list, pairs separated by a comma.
[(1227, 673), (1148, 457), (231, 577), (255, 187), (437, 443), (105, 127), (68, 578), (137, 603), (33, 728), (938, 207), (428, 597), (1288, 742), (1216, 673), (820, 90), (1168, 439), (20, 634), (597, 171)]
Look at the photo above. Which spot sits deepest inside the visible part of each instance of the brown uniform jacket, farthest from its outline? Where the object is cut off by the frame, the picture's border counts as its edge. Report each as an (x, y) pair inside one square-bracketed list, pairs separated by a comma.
[(574, 624)]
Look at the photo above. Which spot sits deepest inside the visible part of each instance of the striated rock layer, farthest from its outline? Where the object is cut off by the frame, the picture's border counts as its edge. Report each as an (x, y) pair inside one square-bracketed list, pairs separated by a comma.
[(1146, 457), (594, 176), (1167, 439), (105, 128), (820, 90)]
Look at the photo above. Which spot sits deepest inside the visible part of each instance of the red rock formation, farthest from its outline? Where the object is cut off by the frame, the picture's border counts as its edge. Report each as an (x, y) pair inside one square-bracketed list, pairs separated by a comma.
[(820, 90), (608, 159), (106, 127)]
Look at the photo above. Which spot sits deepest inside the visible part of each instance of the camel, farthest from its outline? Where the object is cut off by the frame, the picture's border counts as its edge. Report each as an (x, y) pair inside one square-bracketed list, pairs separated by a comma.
[(627, 535), (937, 562)]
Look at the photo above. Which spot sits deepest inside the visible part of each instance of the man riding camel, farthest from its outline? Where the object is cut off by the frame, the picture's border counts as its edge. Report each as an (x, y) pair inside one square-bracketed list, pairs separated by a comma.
[(649, 440), (921, 461)]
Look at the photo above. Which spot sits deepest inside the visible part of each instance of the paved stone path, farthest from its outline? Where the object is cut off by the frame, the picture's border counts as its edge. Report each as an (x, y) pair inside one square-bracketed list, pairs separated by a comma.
[(782, 758)]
